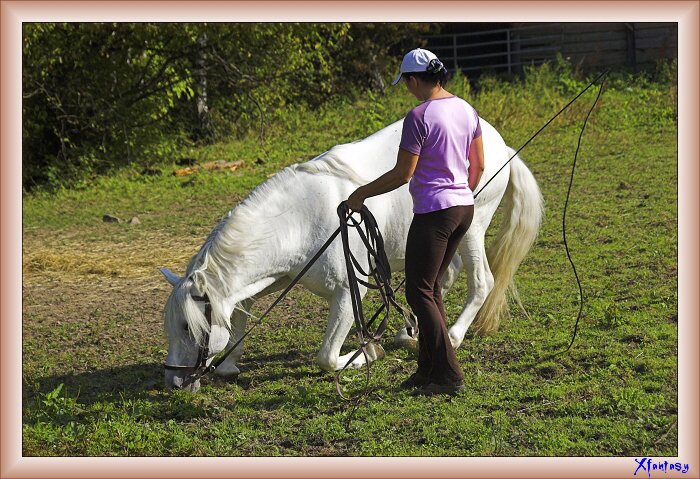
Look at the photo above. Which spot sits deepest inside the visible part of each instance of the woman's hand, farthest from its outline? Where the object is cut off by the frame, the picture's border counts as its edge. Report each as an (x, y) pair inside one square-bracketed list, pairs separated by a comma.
[(355, 200)]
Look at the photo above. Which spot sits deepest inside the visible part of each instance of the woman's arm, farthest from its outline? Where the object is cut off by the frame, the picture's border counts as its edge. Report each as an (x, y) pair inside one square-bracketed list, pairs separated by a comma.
[(476, 162), (389, 181)]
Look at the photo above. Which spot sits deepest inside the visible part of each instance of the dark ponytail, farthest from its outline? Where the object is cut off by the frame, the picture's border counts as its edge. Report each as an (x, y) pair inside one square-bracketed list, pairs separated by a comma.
[(435, 74)]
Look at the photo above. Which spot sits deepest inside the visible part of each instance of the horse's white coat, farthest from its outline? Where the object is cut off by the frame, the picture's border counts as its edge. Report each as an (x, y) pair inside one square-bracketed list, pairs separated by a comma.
[(269, 237)]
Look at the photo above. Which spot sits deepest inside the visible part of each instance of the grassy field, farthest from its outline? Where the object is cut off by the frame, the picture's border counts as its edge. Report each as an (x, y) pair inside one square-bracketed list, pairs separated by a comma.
[(93, 339)]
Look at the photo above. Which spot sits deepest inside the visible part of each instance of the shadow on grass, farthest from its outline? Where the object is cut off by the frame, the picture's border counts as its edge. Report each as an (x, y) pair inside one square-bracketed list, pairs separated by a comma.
[(107, 395), (268, 380), (145, 382), (128, 379)]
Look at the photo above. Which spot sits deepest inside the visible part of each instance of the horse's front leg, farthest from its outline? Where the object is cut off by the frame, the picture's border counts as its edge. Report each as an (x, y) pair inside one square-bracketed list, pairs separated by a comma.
[(239, 320), (340, 319)]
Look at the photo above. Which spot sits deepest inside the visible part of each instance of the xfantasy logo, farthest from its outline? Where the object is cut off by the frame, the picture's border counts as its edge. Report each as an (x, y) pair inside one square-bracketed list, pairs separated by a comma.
[(648, 465)]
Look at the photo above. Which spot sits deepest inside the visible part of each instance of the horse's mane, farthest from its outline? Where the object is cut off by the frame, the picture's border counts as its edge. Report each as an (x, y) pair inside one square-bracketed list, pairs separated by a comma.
[(334, 162), (231, 236), (209, 269)]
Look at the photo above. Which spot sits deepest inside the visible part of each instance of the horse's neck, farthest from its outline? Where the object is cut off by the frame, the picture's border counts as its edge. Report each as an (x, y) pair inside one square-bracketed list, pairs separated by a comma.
[(377, 152), (261, 239), (249, 253)]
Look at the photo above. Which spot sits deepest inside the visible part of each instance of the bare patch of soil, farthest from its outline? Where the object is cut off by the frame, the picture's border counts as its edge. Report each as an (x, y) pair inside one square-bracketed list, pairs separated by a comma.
[(92, 314)]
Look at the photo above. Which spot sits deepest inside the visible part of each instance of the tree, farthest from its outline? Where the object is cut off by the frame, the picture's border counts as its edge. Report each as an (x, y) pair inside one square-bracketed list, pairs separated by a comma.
[(98, 96)]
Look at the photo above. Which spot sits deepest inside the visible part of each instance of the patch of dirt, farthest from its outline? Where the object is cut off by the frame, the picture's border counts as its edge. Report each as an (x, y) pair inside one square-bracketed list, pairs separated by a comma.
[(86, 322), (92, 313)]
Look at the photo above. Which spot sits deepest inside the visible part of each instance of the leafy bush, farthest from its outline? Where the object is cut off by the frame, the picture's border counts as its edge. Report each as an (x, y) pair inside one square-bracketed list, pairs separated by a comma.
[(99, 96)]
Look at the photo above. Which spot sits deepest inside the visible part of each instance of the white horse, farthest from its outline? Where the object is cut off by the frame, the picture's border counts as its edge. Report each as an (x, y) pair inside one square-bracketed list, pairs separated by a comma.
[(269, 237)]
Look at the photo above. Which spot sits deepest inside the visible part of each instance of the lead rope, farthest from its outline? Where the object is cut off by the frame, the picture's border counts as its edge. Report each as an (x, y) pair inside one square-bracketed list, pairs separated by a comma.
[(563, 220), (382, 272), (568, 192)]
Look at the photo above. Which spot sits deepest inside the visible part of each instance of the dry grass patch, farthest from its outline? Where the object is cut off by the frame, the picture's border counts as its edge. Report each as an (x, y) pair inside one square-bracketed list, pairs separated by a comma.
[(136, 259)]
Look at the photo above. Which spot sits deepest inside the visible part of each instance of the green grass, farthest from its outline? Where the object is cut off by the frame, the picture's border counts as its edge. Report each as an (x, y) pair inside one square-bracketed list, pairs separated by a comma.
[(93, 301)]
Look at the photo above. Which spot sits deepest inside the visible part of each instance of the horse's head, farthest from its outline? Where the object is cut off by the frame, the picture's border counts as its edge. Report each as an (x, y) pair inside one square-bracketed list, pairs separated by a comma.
[(193, 337)]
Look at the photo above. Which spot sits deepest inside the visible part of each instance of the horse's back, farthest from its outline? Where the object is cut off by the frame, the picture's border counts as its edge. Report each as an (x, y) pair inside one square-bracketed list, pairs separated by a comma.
[(347, 166)]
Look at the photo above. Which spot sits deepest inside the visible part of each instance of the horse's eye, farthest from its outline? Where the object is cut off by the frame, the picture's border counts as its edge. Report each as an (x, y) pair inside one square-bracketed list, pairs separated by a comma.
[(187, 327)]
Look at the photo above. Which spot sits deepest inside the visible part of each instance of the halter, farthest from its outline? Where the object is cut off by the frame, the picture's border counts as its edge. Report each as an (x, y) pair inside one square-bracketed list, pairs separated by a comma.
[(203, 352)]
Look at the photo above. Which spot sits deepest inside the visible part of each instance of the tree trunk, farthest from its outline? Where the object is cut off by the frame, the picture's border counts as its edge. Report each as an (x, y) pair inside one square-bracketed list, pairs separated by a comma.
[(376, 75), (203, 120)]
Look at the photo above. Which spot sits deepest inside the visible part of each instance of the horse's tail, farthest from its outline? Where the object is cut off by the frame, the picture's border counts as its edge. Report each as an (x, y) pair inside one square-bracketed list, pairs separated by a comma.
[(522, 216)]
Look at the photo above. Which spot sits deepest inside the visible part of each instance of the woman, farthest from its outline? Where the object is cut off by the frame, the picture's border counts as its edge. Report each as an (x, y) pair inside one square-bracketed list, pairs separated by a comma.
[(441, 153)]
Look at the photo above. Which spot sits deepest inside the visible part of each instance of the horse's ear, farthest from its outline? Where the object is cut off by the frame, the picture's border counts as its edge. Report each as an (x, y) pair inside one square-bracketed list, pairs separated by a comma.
[(172, 278)]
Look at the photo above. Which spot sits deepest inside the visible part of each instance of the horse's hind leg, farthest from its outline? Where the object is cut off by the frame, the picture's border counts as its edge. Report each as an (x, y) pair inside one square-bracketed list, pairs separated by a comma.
[(402, 338), (340, 319), (480, 279), (452, 272)]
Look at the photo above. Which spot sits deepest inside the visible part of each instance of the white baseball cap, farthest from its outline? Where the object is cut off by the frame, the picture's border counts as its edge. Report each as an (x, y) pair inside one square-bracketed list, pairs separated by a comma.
[(415, 61)]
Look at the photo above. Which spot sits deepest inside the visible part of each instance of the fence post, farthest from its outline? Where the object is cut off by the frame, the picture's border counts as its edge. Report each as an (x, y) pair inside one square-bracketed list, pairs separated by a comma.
[(454, 51), (631, 45), (508, 50), (515, 51)]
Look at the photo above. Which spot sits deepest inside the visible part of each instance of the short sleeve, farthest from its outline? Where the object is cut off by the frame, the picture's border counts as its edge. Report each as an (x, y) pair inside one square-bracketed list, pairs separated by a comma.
[(414, 132), (477, 132)]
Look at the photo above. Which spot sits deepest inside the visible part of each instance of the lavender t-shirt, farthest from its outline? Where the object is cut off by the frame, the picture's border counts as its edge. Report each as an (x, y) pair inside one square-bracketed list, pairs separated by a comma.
[(440, 132)]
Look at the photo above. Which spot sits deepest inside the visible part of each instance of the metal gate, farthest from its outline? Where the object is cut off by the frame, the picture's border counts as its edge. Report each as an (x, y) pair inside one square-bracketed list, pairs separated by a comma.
[(591, 45), (500, 50)]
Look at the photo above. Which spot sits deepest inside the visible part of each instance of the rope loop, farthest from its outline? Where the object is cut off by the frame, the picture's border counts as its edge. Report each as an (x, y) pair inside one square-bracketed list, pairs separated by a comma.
[(379, 272)]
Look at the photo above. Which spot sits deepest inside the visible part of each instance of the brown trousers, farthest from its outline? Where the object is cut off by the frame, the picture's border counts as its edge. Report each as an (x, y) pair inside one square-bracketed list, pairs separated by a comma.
[(432, 241)]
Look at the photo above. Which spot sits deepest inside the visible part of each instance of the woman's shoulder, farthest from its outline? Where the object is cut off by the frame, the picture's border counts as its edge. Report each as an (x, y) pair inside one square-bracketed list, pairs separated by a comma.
[(469, 108), (417, 114), (453, 104), (464, 103)]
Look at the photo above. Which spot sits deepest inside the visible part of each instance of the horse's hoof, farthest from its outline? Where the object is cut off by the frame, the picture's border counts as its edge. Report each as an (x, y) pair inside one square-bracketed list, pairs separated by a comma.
[(409, 344), (376, 351), (403, 340), (227, 371)]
